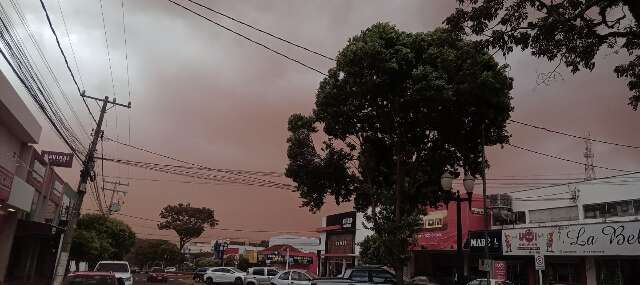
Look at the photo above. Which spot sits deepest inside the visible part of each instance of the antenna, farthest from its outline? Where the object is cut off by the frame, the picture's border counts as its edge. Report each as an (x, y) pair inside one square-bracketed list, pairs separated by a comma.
[(589, 170)]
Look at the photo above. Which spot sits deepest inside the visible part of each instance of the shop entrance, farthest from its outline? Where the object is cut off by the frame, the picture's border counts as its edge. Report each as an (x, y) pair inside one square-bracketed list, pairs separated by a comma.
[(617, 271)]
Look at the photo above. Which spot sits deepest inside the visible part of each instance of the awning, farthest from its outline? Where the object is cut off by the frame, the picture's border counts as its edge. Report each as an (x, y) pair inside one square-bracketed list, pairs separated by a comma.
[(329, 228)]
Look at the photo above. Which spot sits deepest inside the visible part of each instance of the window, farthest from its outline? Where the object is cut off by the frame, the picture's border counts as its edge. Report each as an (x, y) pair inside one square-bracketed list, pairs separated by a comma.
[(520, 217), (299, 276), (359, 275), (38, 170), (554, 214), (219, 270), (272, 272), (284, 276), (594, 211), (202, 269), (57, 188), (258, 271), (612, 209), (381, 276), (563, 272)]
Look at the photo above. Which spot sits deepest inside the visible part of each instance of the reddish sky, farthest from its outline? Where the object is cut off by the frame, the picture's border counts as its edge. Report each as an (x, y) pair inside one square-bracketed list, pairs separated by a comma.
[(205, 95)]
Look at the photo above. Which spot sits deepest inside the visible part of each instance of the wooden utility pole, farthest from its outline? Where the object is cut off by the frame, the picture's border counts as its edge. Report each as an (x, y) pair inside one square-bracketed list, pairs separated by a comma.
[(86, 173), (113, 192)]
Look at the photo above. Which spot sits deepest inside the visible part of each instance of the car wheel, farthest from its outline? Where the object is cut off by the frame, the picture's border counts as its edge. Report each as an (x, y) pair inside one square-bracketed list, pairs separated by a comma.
[(210, 281), (238, 281)]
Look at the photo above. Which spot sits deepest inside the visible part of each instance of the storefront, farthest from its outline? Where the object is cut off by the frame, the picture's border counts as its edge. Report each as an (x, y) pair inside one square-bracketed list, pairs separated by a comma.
[(286, 256), (598, 254), (339, 238)]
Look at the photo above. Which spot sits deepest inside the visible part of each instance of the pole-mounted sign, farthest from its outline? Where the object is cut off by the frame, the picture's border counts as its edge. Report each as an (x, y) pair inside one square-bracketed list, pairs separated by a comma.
[(58, 159)]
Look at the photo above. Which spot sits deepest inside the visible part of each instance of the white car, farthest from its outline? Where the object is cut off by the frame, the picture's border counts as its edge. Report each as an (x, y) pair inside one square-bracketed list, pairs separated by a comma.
[(293, 277), (170, 269), (224, 275), (489, 282), (260, 275), (120, 269)]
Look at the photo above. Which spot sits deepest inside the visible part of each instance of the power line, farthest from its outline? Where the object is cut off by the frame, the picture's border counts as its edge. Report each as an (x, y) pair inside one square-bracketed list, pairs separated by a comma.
[(53, 30), (73, 51), (562, 158), (249, 39), (106, 41), (574, 136), (572, 182), (262, 31)]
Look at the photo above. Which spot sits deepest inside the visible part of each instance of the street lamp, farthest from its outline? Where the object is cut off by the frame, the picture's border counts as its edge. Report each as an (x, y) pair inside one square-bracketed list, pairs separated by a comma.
[(446, 181)]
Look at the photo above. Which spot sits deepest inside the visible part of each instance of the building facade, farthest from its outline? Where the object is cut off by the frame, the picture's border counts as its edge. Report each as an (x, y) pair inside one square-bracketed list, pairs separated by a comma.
[(32, 196), (589, 232), (340, 236), (306, 244)]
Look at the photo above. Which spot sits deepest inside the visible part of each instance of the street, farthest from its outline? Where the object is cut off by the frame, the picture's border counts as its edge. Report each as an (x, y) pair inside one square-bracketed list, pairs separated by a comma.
[(141, 279)]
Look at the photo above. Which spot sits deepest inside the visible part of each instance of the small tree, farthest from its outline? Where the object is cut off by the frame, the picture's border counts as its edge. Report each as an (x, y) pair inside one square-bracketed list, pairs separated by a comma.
[(187, 221), (569, 32), (155, 251), (399, 109), (100, 237), (372, 251)]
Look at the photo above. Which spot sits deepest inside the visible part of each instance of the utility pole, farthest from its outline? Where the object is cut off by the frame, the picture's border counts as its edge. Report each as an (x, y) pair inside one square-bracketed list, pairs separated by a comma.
[(589, 170), (113, 191), (86, 173)]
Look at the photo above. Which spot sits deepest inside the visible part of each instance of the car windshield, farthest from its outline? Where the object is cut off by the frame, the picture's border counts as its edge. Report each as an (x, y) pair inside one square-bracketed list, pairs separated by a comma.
[(313, 276), (90, 280), (112, 267)]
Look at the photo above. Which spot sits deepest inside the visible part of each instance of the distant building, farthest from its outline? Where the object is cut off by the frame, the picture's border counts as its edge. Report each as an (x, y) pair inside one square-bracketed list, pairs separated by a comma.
[(197, 247), (305, 244), (340, 236)]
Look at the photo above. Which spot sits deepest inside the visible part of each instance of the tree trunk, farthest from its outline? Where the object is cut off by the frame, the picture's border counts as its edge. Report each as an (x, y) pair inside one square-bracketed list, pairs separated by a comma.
[(634, 8)]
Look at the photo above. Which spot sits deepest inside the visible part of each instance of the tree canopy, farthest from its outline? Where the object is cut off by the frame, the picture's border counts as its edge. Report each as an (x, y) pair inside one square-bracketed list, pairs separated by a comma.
[(154, 252), (571, 32), (99, 237), (187, 221), (398, 110)]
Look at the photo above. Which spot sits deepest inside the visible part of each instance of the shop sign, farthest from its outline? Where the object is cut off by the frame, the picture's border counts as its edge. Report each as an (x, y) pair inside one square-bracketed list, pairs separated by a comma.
[(618, 238), (492, 239), (279, 258), (340, 243), (59, 159), (346, 221), (500, 270)]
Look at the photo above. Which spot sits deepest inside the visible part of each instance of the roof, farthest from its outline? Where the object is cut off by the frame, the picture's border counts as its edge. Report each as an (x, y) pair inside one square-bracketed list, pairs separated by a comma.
[(280, 248), (15, 115)]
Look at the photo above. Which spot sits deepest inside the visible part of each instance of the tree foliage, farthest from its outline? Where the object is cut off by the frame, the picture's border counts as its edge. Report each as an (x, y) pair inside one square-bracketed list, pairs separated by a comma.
[(99, 237), (398, 110), (372, 251), (570, 32), (154, 252), (187, 221)]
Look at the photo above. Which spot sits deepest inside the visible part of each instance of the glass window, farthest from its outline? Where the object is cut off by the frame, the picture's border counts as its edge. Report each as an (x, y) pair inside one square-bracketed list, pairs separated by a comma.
[(221, 270), (381, 276), (258, 271), (112, 267), (272, 272), (359, 275), (594, 211), (284, 276), (520, 217), (554, 214), (202, 269), (299, 276)]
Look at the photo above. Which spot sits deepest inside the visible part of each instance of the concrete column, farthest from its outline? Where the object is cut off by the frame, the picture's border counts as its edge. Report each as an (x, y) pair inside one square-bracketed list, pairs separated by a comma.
[(8, 223), (590, 269)]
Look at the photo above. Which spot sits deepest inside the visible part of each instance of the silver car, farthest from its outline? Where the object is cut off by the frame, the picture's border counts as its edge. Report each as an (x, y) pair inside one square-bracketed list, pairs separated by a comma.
[(260, 275), (293, 277)]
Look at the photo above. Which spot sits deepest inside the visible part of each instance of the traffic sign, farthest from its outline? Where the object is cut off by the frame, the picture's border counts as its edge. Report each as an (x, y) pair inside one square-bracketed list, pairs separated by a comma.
[(539, 261)]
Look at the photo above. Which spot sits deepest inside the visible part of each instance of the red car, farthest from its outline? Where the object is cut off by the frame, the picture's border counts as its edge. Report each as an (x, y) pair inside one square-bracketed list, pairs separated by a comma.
[(157, 274), (93, 278)]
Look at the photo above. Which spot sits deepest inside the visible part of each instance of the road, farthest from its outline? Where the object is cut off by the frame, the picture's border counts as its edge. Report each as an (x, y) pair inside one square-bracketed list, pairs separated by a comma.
[(141, 279)]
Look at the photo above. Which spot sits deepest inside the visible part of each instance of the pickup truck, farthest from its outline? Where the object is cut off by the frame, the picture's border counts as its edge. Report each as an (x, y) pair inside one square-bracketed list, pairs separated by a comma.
[(363, 275)]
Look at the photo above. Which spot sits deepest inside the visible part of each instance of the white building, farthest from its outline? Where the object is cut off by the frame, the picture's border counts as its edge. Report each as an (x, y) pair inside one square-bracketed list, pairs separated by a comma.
[(197, 247), (588, 231), (306, 244)]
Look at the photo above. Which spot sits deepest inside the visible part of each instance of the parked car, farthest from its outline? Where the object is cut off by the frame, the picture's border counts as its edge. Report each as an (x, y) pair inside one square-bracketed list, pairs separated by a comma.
[(260, 275), (423, 280), (170, 269), (224, 275), (120, 268), (489, 282), (92, 278), (198, 275), (135, 270), (157, 274), (361, 275), (293, 277)]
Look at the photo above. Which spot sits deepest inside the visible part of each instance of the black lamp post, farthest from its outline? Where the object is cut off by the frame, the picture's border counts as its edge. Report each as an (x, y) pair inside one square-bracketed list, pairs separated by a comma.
[(448, 195)]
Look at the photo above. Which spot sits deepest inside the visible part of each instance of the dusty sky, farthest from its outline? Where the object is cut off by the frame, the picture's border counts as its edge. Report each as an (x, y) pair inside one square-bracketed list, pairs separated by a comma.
[(205, 95)]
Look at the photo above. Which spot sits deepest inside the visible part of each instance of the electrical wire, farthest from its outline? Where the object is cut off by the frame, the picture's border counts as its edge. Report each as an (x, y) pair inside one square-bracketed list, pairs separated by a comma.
[(564, 159), (249, 39), (262, 31), (572, 182), (574, 136), (106, 41)]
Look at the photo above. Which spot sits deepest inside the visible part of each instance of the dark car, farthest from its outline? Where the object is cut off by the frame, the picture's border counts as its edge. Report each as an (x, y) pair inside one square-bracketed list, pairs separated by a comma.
[(157, 274), (198, 275), (92, 278)]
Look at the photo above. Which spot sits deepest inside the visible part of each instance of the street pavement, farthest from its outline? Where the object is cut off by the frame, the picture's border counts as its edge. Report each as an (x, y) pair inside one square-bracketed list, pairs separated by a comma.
[(141, 279)]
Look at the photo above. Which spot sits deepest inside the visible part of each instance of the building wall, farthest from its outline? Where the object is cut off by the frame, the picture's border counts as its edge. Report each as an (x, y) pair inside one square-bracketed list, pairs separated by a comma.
[(10, 147), (306, 244)]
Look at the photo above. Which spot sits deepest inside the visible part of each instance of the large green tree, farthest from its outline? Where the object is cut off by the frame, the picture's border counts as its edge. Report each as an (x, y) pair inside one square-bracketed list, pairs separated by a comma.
[(153, 252), (99, 237), (397, 111), (187, 221), (569, 32)]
